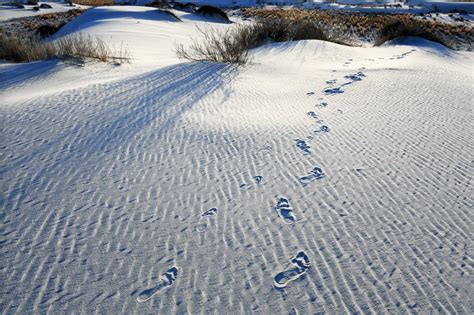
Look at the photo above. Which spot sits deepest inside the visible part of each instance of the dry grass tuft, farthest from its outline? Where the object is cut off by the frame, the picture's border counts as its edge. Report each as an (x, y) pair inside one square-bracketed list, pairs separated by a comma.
[(42, 25), (232, 45), (94, 3), (369, 26), (20, 49), (407, 28), (228, 47), (207, 10)]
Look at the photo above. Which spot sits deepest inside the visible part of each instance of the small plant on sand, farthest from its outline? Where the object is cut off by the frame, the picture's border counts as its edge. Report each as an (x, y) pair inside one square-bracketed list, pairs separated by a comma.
[(229, 46)]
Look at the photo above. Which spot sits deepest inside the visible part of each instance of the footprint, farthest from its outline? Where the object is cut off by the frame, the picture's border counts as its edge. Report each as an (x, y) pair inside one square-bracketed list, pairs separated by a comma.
[(312, 114), (355, 77), (282, 279), (210, 212), (315, 116), (315, 174), (301, 260), (202, 226), (265, 149), (293, 311), (322, 104), (323, 129), (245, 186), (303, 146), (166, 280), (332, 91), (284, 210), (258, 180), (300, 264)]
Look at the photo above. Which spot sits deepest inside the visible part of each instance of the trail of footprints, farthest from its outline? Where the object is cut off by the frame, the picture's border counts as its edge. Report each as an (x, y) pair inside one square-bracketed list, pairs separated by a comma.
[(300, 263)]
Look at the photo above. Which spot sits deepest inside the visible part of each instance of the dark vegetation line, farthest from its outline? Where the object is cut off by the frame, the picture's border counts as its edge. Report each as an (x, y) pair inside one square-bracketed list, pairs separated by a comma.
[(26, 39)]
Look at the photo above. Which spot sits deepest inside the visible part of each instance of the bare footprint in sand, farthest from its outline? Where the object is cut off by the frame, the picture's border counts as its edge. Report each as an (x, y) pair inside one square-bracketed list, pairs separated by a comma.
[(322, 129), (333, 91), (258, 180), (209, 213), (300, 264), (315, 116), (322, 104), (303, 146), (264, 150), (166, 280), (284, 210), (315, 174), (202, 226)]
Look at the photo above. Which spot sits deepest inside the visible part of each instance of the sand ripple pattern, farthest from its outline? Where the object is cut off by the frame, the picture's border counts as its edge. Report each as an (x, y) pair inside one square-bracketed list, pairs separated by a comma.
[(103, 188)]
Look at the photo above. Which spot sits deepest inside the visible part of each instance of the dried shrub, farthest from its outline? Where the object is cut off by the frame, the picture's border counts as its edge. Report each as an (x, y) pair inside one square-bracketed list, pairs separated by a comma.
[(94, 3), (356, 27), (21, 49), (161, 4), (46, 30), (232, 45), (228, 47), (40, 25), (410, 28), (207, 10)]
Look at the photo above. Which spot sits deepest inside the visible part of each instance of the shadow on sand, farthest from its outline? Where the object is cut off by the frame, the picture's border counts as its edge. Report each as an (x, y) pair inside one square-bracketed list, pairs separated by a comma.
[(101, 119)]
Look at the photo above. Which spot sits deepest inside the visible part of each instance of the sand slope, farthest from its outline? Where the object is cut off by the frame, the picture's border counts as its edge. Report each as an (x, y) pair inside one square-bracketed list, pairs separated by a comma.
[(192, 188)]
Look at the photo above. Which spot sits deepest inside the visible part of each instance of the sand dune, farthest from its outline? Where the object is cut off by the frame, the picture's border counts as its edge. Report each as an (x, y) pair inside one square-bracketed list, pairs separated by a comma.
[(321, 178)]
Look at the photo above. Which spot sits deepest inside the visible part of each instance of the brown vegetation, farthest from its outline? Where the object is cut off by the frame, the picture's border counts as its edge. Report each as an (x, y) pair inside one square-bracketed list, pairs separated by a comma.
[(232, 46), (94, 3), (408, 28), (21, 49), (369, 26), (207, 10), (33, 25)]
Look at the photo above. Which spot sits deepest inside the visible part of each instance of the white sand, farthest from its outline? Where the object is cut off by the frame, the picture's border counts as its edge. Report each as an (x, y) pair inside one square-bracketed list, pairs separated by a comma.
[(8, 12), (134, 189)]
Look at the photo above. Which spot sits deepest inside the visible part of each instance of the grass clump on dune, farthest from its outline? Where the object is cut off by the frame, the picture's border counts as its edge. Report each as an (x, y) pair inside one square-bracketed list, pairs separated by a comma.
[(407, 28), (361, 27), (94, 3), (23, 49), (230, 46), (233, 45), (207, 10)]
